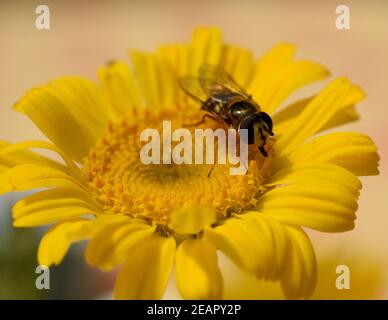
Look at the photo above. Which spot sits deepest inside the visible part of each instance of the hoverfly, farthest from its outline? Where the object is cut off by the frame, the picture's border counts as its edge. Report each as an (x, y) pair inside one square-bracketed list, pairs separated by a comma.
[(226, 102)]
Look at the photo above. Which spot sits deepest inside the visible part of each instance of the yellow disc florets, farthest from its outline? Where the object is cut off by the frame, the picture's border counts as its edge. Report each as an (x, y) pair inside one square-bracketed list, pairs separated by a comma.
[(124, 185)]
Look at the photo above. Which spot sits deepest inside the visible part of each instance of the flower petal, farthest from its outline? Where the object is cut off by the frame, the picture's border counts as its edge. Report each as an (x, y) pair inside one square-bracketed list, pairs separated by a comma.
[(70, 111), (238, 239), (270, 64), (269, 249), (145, 273), (30, 177), (53, 205), (300, 277), (16, 158), (316, 172), (174, 57), (238, 63), (277, 76), (157, 81), (291, 78), (113, 243), (205, 47), (56, 242), (274, 234), (345, 115), (319, 111), (321, 196), (192, 219), (197, 273), (71, 167), (353, 151), (119, 85), (284, 118)]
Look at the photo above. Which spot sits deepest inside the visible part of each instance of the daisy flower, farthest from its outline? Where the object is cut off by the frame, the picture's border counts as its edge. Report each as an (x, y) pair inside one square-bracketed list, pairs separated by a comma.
[(151, 219)]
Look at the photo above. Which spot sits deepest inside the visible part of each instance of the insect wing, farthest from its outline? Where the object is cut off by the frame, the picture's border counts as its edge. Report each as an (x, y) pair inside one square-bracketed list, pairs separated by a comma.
[(190, 85), (218, 84)]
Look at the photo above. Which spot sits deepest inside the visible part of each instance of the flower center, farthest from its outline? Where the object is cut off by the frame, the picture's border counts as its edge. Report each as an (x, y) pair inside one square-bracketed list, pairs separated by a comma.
[(124, 185)]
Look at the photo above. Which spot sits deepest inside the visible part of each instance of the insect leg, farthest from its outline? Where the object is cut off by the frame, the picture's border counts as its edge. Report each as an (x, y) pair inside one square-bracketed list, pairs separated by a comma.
[(261, 147), (263, 152), (202, 121), (211, 170)]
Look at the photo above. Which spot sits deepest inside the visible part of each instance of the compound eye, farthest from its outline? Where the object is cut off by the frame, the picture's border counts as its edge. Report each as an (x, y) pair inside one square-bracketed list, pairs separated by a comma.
[(248, 124), (267, 119)]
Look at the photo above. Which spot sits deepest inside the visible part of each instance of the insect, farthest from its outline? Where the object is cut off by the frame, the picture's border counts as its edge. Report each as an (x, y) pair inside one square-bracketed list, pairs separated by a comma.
[(226, 102)]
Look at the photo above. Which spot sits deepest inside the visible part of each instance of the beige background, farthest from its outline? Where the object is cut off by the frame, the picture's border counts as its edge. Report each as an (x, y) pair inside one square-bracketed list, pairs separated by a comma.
[(85, 34)]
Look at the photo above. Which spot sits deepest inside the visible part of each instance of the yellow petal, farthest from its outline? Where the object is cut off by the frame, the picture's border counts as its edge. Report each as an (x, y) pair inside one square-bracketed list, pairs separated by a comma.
[(156, 79), (284, 118), (119, 85), (275, 236), (157, 74), (277, 76), (174, 57), (353, 151), (240, 241), (57, 240), (145, 273), (53, 205), (316, 172), (106, 219), (205, 47), (291, 78), (300, 276), (30, 177), (168, 80), (70, 111), (238, 63), (197, 274), (192, 219), (114, 242), (344, 115), (272, 62), (13, 159), (319, 111), (21, 146), (321, 196)]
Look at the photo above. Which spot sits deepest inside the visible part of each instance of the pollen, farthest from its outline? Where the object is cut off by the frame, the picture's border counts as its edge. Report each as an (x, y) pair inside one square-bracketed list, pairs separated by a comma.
[(124, 185)]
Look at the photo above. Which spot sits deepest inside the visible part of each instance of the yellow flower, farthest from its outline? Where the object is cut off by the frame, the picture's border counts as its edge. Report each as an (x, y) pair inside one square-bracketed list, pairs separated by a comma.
[(147, 218)]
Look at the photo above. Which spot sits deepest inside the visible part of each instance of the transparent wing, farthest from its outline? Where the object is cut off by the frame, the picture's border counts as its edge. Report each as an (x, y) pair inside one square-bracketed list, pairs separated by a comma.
[(218, 84), (190, 85)]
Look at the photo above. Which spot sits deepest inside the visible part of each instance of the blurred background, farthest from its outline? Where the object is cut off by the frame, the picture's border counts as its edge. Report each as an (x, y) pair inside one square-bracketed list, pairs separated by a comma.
[(86, 34)]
